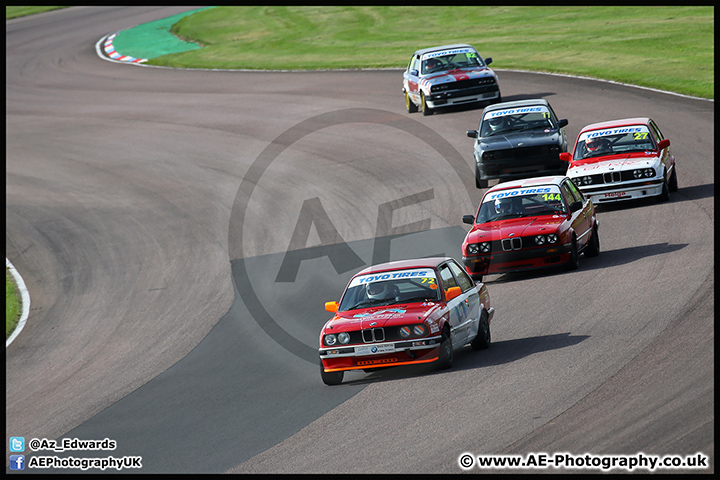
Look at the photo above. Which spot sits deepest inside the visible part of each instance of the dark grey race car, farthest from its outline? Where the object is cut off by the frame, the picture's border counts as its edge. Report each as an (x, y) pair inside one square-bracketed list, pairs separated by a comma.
[(518, 140)]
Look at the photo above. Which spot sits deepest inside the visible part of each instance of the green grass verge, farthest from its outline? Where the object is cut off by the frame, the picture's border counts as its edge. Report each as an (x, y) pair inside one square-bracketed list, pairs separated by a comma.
[(668, 48), (12, 12), (13, 309)]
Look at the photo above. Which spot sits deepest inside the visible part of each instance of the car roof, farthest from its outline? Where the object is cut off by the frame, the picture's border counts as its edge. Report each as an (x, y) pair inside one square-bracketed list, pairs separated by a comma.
[(528, 182), (443, 47), (517, 103), (430, 262), (617, 123)]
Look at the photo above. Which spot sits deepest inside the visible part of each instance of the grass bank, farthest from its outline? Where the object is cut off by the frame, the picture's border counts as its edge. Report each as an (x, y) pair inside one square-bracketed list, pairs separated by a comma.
[(669, 48)]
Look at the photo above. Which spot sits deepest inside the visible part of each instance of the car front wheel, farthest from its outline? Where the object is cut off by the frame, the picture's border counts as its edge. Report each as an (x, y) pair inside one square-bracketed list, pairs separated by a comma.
[(665, 194), (574, 261), (593, 248), (425, 109), (482, 341), (411, 107), (330, 378), (446, 351), (673, 183), (479, 182)]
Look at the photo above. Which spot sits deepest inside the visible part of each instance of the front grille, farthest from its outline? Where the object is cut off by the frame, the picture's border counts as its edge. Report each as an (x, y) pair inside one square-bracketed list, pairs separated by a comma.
[(603, 178), (610, 177), (462, 84), (522, 153), (522, 160), (511, 244), (372, 335)]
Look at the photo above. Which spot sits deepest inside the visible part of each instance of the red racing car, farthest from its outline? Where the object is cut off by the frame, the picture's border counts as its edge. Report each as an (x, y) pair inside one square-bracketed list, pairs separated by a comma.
[(527, 224), (402, 313)]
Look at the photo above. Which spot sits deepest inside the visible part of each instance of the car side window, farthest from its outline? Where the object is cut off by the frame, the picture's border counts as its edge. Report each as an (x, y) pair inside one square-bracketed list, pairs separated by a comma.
[(414, 63), (461, 276), (575, 191), (567, 193), (447, 278), (656, 132)]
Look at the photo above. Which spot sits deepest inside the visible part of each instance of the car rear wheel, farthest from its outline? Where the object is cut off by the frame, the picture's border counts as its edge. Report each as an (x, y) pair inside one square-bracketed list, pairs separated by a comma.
[(330, 378), (482, 341), (446, 351), (411, 107), (425, 109), (593, 248)]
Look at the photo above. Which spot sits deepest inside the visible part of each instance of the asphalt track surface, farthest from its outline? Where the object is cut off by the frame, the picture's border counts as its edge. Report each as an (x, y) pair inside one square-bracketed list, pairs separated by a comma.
[(179, 231)]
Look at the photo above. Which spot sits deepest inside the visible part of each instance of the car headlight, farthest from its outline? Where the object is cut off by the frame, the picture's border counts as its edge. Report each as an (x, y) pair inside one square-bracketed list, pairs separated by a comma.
[(586, 180), (475, 248), (644, 173), (330, 339), (414, 330), (343, 338), (488, 155), (544, 239)]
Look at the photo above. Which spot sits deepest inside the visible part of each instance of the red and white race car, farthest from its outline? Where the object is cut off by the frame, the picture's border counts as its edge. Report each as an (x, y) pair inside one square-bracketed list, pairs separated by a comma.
[(402, 313), (622, 160), (527, 224), (448, 75)]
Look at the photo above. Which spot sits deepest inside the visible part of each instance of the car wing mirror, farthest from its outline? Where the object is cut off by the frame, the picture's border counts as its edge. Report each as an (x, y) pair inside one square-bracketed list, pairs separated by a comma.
[(452, 292), (575, 206), (565, 157), (563, 123), (469, 219), (664, 144), (472, 133), (488, 61), (331, 307), (414, 72)]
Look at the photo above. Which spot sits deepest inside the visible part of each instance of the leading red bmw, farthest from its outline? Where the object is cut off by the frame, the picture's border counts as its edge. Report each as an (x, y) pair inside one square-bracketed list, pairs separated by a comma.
[(402, 313), (532, 223)]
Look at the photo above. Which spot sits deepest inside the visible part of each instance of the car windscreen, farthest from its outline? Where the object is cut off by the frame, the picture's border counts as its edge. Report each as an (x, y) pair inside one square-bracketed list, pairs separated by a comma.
[(536, 117), (521, 202), (446, 60), (611, 141), (389, 288)]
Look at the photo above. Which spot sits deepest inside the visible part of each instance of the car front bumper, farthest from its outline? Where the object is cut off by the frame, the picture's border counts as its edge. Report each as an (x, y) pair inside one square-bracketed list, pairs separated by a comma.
[(517, 260), (457, 97), (621, 191), (387, 354)]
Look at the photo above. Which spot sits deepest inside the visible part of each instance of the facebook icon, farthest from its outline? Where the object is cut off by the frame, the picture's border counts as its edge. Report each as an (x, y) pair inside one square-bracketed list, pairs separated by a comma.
[(17, 462)]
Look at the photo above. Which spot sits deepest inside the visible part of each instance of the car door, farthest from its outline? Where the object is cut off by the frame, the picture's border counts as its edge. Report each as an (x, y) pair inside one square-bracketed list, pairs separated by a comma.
[(585, 214), (471, 300), (456, 308), (411, 77), (666, 157)]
